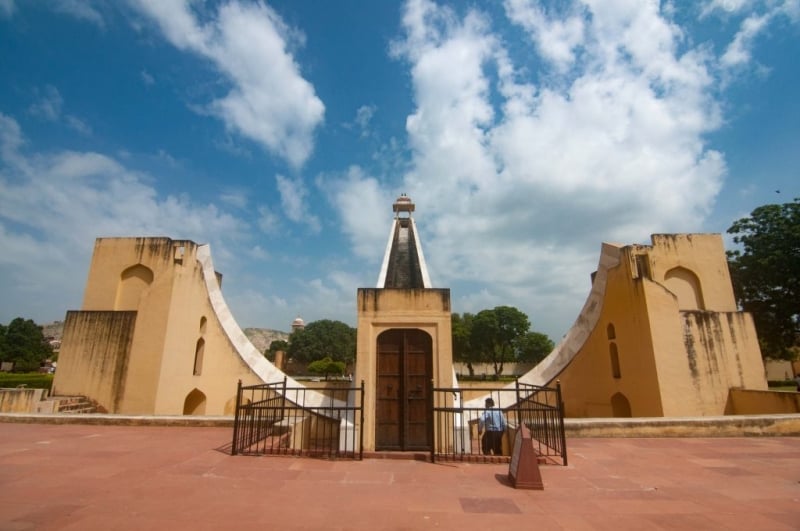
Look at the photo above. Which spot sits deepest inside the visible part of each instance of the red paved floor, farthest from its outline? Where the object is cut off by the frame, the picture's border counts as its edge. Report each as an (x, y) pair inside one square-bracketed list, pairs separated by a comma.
[(118, 477)]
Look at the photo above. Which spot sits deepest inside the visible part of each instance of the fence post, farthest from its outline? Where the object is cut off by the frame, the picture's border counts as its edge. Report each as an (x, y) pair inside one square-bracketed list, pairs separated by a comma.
[(561, 422), (431, 430), (361, 425), (236, 417), (518, 406)]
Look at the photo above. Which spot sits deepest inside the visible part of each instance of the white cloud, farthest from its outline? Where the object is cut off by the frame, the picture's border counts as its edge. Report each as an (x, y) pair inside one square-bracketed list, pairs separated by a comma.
[(49, 106), (615, 137), (363, 209), (293, 200), (6, 8), (555, 39), (738, 51), (269, 100), (54, 205), (147, 78), (82, 10)]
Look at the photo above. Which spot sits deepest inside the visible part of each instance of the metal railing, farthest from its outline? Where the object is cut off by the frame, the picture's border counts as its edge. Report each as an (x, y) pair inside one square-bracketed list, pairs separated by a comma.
[(456, 422), (274, 419)]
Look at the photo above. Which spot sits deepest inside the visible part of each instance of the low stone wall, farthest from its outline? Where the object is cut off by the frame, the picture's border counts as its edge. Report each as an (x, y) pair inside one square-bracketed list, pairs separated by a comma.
[(750, 402), (722, 426), (727, 426), (20, 399)]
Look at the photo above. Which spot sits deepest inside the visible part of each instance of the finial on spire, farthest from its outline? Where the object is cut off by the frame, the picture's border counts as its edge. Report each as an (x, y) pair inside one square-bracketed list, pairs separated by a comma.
[(403, 204)]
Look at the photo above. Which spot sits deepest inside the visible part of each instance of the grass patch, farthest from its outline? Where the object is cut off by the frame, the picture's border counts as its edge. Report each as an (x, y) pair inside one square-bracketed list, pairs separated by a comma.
[(32, 380)]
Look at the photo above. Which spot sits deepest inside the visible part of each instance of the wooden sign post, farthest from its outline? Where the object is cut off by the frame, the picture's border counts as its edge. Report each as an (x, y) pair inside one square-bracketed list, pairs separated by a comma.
[(523, 471)]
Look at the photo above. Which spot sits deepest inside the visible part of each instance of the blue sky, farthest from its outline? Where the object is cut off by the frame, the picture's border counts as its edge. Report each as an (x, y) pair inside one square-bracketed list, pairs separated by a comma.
[(526, 132)]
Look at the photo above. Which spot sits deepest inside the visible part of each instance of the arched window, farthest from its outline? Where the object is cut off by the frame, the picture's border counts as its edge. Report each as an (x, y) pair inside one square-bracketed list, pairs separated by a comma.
[(685, 285), (198, 356), (195, 403), (133, 281), (615, 370), (620, 405), (203, 322), (611, 332)]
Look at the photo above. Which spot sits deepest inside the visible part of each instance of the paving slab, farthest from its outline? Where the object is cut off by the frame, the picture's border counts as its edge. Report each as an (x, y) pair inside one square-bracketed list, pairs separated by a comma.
[(86, 477)]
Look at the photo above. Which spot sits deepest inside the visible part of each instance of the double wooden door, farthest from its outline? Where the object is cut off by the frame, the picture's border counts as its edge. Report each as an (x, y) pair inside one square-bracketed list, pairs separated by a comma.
[(402, 411)]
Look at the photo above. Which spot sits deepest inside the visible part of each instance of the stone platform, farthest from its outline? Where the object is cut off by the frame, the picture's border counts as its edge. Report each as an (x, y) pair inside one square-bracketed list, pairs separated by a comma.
[(85, 477)]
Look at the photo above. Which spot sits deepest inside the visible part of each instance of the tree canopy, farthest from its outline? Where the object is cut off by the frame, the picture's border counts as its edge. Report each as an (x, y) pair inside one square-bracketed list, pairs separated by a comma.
[(23, 343), (275, 346), (766, 274), (323, 339), (497, 336), (326, 366)]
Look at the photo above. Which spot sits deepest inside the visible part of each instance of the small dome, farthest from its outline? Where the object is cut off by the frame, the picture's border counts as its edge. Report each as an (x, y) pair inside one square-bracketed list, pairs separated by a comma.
[(298, 322)]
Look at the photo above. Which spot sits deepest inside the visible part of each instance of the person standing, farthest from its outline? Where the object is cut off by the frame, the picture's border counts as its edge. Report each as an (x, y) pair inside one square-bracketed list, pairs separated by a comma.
[(492, 423)]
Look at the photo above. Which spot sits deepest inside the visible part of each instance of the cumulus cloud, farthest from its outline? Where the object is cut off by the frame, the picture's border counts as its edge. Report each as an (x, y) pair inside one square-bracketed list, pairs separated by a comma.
[(269, 101), (54, 205), (556, 39), (362, 205), (614, 136), (293, 200)]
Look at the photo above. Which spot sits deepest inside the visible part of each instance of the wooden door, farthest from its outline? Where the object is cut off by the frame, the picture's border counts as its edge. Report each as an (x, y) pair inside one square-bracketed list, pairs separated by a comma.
[(402, 412)]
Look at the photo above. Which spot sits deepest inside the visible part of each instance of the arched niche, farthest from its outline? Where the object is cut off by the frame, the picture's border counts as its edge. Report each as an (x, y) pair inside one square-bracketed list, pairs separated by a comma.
[(685, 285), (195, 403), (199, 352), (620, 405), (132, 282), (615, 370)]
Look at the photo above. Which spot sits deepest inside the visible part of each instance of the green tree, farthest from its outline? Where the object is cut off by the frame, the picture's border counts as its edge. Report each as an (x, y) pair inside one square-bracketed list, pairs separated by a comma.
[(496, 334), (323, 339), (766, 274), (533, 347), (461, 326), (275, 346), (23, 343), (326, 366)]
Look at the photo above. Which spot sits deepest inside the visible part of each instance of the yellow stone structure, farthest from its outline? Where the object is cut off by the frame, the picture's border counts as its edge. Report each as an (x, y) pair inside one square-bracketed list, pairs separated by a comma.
[(154, 335), (659, 336), (404, 342)]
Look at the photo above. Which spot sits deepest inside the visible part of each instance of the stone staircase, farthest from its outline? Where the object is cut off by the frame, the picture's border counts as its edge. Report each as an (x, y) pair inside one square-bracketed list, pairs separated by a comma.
[(76, 404), (69, 405)]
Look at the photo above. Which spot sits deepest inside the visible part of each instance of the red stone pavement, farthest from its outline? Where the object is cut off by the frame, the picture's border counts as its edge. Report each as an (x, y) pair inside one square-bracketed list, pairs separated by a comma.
[(86, 477)]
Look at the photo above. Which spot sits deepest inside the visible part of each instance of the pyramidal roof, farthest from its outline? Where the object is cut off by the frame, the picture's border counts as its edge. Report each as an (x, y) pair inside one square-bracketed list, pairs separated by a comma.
[(403, 263)]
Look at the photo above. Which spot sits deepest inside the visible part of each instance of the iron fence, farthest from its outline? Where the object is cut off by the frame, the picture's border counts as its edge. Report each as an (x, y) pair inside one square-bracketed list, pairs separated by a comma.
[(456, 422), (275, 419)]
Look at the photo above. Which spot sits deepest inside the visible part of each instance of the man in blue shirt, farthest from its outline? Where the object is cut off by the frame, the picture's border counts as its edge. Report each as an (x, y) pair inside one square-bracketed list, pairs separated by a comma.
[(492, 423)]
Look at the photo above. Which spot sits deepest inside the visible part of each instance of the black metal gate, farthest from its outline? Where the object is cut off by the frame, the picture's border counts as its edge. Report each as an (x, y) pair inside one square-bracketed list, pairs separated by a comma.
[(318, 421), (538, 408)]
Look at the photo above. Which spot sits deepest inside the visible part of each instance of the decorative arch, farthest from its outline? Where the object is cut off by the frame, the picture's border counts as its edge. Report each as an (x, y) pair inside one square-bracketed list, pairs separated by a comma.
[(620, 405), (132, 282), (686, 287), (199, 351), (195, 403)]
